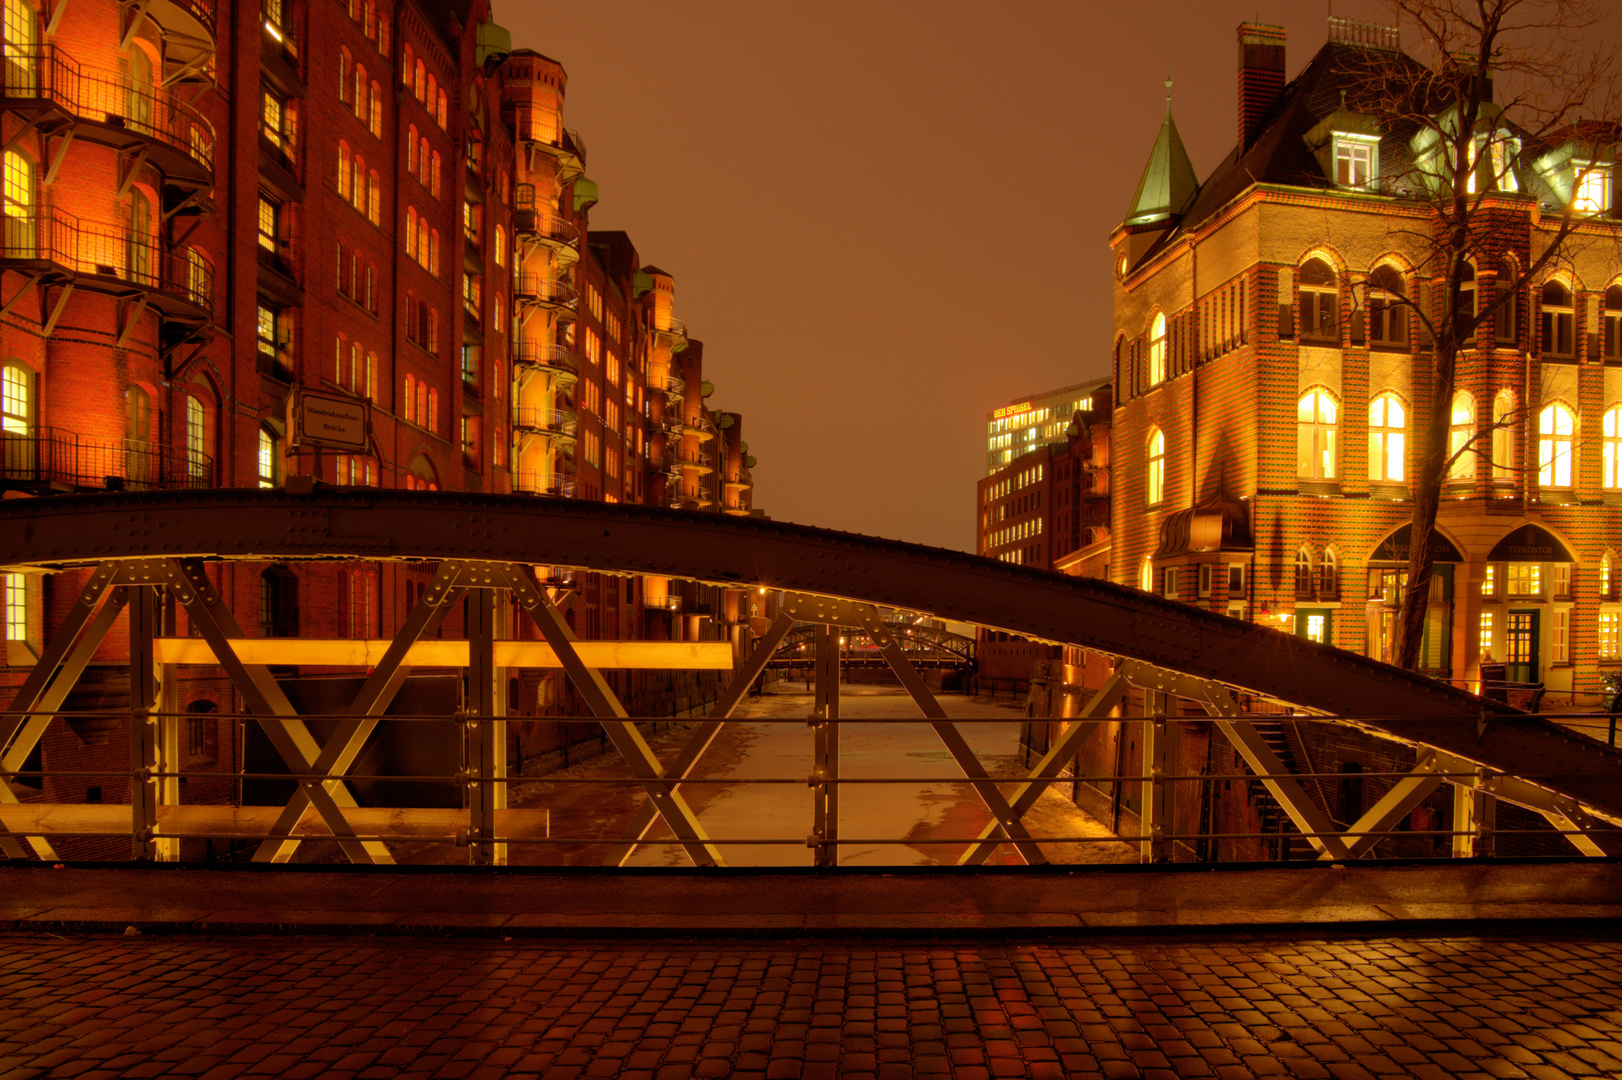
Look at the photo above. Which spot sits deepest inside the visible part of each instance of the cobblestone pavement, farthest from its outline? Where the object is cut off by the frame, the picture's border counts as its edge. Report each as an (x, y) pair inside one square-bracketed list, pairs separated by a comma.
[(93, 1006)]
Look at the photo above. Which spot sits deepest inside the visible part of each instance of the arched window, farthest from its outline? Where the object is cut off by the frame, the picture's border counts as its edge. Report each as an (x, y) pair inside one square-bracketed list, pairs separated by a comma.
[(1556, 428), (1157, 349), (142, 257), (19, 64), (141, 85), (1320, 300), (1503, 318), (411, 149), (433, 174), (411, 398), (1388, 441), (1464, 320), (1316, 416), (197, 458), (1503, 435), (1329, 584), (1303, 573), (439, 109), (377, 110), (140, 464), (1157, 466), (1461, 431), (1611, 324), (421, 475), (358, 101), (17, 201), (1557, 320), (500, 246), (433, 411), (1611, 442), (346, 67), (1388, 317), (270, 459), (422, 403), (1146, 575), (374, 200)]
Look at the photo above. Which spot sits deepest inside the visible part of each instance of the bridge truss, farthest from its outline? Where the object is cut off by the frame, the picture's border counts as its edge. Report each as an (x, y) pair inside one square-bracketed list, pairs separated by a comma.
[(144, 550)]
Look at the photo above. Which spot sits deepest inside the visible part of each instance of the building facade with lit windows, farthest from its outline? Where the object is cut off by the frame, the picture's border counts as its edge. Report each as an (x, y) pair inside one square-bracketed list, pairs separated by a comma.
[(210, 209), (1271, 388), (1029, 423)]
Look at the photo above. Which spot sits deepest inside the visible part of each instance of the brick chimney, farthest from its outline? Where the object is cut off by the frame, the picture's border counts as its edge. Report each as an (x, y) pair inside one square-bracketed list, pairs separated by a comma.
[(1261, 76)]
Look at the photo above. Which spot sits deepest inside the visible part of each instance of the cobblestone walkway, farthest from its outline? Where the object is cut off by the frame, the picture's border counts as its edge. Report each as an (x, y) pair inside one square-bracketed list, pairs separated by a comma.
[(93, 1006)]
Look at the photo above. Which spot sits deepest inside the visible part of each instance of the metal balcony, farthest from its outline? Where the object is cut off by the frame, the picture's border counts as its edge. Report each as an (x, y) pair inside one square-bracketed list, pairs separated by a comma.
[(552, 423), (694, 464), (55, 459), (554, 484), (534, 217), (551, 360), (106, 258), (541, 131), (546, 291), (675, 386), (105, 107), (673, 334)]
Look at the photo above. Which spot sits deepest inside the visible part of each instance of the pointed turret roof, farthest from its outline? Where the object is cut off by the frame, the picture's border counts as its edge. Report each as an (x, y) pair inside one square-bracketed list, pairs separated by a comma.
[(1169, 184)]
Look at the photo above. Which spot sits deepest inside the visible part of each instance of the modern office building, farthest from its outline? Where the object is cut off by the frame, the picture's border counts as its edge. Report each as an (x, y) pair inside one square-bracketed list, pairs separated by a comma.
[(1028, 423)]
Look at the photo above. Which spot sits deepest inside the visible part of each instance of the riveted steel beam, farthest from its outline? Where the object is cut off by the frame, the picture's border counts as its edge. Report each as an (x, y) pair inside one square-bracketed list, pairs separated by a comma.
[(1120, 621)]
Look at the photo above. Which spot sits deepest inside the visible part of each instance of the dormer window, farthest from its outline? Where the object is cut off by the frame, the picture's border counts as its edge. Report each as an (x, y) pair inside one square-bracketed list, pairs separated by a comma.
[(1357, 159), (1593, 188)]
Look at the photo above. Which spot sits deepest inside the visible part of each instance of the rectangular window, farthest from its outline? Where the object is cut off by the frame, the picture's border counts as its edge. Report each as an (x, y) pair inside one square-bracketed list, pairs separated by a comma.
[(1525, 579), (1236, 581), (1560, 637), (274, 121), (1610, 634), (1170, 589), (1485, 636), (1560, 579), (1593, 189), (1354, 161), (1489, 583), (16, 588), (268, 231)]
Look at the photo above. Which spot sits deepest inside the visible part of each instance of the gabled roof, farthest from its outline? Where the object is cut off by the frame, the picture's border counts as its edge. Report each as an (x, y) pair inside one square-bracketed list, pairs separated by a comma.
[(1169, 183)]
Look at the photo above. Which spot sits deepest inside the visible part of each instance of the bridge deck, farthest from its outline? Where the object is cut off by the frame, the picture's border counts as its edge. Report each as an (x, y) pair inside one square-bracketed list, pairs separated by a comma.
[(778, 902)]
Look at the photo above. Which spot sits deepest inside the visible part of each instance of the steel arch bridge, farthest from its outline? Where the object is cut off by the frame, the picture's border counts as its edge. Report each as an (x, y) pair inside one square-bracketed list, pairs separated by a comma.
[(140, 548)]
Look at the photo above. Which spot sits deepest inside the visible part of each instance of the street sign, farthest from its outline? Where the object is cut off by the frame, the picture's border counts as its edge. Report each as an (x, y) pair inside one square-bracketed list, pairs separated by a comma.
[(328, 420)]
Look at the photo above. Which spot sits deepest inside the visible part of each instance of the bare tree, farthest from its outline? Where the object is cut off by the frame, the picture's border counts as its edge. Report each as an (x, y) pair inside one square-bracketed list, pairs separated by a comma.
[(1486, 98)]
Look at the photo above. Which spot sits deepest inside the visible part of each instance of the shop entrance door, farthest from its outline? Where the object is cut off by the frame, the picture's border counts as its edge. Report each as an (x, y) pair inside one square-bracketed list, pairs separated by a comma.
[(1521, 647)]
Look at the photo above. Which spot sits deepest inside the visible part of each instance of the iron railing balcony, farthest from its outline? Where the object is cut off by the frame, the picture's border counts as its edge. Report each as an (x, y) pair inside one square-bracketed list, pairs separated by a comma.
[(555, 484), (739, 485), (546, 291), (703, 430), (55, 458), (106, 107), (694, 464), (542, 130), (553, 360), (99, 257), (553, 423), (534, 217), (675, 386), (673, 334), (671, 602)]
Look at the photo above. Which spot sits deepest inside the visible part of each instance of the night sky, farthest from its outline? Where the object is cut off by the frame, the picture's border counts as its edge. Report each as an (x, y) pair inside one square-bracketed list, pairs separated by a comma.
[(886, 218)]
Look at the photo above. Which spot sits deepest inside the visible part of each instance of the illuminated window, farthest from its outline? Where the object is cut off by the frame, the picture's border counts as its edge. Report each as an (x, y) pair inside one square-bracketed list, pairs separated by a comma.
[(1317, 627), (1484, 635), (269, 459), (16, 400), (1557, 319), (1555, 431), (1320, 296), (1503, 435), (1387, 441), (1315, 436), (1489, 584), (1611, 324), (196, 439), (1146, 576), (269, 212), (1524, 579), (1593, 188), (1461, 430), (1611, 447), (1388, 315), (16, 588), (1157, 467), (275, 18), (1610, 634), (274, 119), (20, 38), (500, 241), (1605, 577), (1560, 637), (1157, 350), (1357, 159)]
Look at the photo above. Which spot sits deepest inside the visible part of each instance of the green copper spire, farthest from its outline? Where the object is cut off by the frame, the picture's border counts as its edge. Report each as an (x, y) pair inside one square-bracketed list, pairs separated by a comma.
[(1169, 184)]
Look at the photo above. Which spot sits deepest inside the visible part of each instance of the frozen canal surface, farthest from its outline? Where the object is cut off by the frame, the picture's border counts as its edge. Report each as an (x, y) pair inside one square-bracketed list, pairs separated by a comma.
[(769, 739)]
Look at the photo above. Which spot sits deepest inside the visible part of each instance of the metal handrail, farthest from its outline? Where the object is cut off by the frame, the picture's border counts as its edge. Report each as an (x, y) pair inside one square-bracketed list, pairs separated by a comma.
[(46, 73), (674, 327), (547, 223), (54, 455), (547, 356), (538, 418), (545, 289), (200, 11), (559, 485), (545, 127), (107, 251)]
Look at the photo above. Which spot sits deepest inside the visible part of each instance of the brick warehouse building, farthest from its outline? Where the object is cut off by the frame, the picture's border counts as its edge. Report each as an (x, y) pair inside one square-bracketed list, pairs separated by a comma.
[(212, 208), (1269, 396)]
